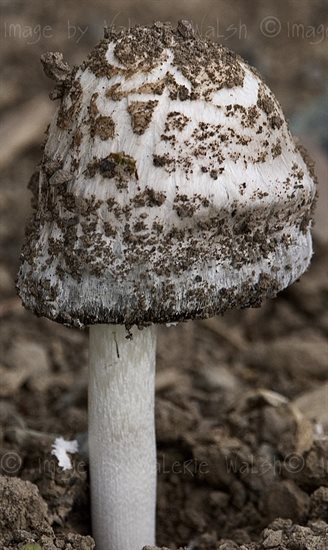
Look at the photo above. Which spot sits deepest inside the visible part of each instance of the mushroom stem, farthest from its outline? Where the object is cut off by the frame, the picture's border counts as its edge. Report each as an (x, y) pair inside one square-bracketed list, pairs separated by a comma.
[(122, 445)]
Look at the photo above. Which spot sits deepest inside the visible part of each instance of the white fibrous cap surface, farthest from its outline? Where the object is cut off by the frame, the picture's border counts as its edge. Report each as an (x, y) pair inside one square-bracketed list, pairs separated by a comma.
[(170, 187)]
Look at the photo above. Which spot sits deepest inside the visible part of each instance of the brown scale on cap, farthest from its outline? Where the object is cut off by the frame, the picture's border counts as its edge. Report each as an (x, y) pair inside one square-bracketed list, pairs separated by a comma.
[(269, 106), (118, 166), (70, 104), (142, 48), (116, 93), (149, 197), (102, 126), (176, 121), (141, 113)]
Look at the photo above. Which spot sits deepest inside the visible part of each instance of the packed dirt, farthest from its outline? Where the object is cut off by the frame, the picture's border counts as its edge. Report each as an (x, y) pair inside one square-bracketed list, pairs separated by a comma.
[(241, 400), (241, 415)]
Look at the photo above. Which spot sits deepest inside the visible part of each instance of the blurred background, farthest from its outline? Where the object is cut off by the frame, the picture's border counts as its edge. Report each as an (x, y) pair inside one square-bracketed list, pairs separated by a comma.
[(214, 377)]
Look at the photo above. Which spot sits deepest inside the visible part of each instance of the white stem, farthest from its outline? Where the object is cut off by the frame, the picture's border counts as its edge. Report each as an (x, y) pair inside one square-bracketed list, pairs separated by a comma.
[(122, 445)]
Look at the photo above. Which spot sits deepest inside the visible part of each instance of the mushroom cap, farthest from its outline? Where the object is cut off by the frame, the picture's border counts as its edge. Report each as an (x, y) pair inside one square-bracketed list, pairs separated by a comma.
[(170, 187)]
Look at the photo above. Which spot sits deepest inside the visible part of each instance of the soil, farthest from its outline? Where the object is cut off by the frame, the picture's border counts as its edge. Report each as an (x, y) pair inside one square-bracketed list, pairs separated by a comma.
[(241, 400)]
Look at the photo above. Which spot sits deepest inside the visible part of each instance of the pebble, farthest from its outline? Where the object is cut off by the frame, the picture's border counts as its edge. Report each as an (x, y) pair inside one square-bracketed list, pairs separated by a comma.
[(26, 360), (21, 507), (314, 405), (319, 504), (286, 500), (219, 377), (273, 539), (295, 355)]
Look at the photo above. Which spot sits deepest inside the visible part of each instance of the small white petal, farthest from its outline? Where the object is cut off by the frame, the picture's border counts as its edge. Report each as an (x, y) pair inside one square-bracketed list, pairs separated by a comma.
[(60, 448)]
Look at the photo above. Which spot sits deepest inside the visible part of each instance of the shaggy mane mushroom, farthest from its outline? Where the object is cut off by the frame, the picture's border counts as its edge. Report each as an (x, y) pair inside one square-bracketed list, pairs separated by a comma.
[(170, 189)]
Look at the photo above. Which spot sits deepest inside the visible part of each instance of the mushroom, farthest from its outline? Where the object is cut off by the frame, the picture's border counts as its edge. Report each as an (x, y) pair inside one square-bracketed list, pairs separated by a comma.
[(170, 189)]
